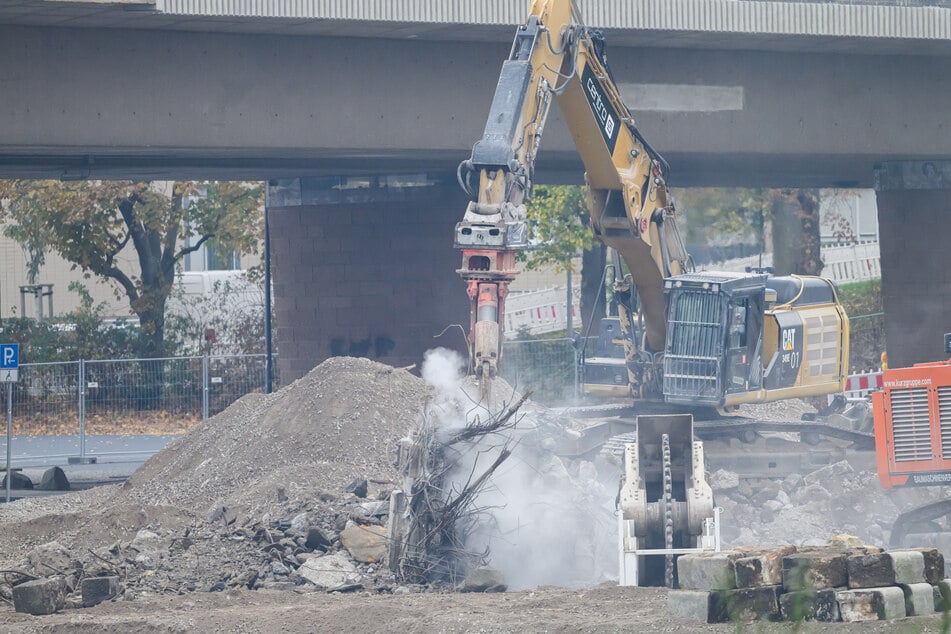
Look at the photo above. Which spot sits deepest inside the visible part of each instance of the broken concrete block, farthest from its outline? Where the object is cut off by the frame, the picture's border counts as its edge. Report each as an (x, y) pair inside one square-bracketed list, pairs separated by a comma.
[(919, 598), (366, 544), (814, 570), (934, 563), (765, 569), (316, 540), (42, 596), (707, 571), (328, 571), (696, 605), (483, 580), (95, 590), (886, 569), (871, 604), (820, 605)]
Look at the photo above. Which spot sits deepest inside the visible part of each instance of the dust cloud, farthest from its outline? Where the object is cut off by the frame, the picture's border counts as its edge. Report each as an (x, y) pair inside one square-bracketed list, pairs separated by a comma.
[(541, 519)]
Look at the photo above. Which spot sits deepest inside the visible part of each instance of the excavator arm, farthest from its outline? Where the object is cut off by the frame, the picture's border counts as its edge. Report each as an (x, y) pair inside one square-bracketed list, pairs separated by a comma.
[(555, 58)]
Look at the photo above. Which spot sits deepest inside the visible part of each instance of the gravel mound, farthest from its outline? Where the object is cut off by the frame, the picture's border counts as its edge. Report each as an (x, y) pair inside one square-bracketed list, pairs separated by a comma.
[(338, 423)]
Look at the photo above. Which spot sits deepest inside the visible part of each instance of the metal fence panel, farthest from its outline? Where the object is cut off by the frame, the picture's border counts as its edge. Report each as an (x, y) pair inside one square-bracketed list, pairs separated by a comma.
[(545, 367), (46, 399), (231, 377)]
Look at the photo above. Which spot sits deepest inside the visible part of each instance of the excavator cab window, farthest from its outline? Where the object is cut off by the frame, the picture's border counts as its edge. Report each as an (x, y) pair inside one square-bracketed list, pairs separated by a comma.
[(743, 347)]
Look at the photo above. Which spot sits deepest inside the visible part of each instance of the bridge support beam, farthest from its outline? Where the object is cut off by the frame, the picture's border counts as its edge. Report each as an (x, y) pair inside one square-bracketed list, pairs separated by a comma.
[(365, 267), (914, 216)]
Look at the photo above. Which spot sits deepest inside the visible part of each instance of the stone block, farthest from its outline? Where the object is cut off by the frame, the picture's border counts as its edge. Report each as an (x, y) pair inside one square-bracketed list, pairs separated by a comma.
[(933, 562), (814, 570), (919, 598), (42, 596), (746, 605), (871, 604), (742, 605), (95, 590), (707, 571), (886, 569), (820, 605), (696, 605), (764, 569), (942, 595)]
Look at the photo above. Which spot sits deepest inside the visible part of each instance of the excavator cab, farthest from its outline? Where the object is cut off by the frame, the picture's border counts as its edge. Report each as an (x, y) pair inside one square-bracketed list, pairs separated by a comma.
[(714, 336)]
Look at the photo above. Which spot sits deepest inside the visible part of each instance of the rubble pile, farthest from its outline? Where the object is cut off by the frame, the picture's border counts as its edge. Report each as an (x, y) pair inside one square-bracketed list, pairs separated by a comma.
[(289, 490), (806, 509), (292, 491), (843, 580)]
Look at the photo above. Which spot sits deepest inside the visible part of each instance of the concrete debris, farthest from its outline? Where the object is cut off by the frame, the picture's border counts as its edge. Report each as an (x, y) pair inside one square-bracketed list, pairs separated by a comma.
[(365, 543), (329, 571), (95, 590), (483, 580), (358, 487), (42, 596), (919, 598)]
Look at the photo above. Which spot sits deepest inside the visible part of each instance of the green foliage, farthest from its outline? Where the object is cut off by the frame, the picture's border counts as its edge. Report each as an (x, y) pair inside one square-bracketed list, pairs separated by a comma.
[(557, 224), (90, 223), (81, 334), (715, 218)]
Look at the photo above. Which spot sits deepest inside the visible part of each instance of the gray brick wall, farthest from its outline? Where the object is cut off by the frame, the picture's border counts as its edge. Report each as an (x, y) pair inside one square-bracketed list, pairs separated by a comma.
[(372, 279)]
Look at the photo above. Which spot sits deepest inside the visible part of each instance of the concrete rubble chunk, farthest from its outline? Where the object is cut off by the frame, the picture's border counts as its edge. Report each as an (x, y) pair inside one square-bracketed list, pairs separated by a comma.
[(365, 543), (329, 571), (886, 569), (919, 598), (871, 604), (942, 595), (814, 570), (483, 580), (820, 605), (50, 558), (707, 571), (42, 596), (764, 569), (95, 590)]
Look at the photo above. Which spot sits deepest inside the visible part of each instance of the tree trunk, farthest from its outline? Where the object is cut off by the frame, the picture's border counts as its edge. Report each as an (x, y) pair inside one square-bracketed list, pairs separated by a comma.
[(151, 347), (796, 242)]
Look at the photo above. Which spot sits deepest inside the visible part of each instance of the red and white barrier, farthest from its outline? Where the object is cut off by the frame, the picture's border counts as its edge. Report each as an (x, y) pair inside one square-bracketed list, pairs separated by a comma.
[(860, 386)]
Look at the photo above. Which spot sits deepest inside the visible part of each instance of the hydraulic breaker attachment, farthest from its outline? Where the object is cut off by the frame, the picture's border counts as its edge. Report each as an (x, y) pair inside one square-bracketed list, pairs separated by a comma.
[(665, 506), (488, 273)]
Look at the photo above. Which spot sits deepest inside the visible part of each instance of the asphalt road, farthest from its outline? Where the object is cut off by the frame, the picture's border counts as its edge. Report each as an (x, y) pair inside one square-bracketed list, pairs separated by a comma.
[(116, 457)]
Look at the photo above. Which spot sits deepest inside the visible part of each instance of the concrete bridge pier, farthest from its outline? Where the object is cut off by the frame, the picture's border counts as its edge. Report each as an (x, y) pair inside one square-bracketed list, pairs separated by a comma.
[(914, 216), (364, 266)]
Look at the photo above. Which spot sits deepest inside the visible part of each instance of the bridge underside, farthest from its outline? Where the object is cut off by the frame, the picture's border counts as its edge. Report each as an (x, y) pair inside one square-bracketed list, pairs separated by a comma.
[(376, 276)]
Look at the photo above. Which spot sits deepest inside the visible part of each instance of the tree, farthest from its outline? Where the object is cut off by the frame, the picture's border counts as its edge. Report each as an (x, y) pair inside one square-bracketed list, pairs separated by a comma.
[(558, 225), (89, 223)]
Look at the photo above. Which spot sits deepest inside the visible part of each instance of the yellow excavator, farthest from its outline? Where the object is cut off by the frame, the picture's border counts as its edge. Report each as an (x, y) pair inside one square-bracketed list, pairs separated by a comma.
[(692, 339)]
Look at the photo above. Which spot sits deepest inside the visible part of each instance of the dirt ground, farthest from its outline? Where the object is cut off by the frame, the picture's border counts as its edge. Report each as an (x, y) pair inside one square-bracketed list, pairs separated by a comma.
[(602, 609), (215, 533)]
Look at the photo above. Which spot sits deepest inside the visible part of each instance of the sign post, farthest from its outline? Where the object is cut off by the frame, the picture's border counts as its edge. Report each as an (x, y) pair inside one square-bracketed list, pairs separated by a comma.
[(9, 371)]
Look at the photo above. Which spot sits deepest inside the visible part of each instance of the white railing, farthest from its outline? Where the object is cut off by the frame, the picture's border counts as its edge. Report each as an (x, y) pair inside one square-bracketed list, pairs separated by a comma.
[(843, 263)]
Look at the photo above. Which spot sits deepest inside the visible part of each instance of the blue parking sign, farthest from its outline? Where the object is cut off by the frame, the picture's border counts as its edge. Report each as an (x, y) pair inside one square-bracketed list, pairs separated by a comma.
[(9, 356)]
